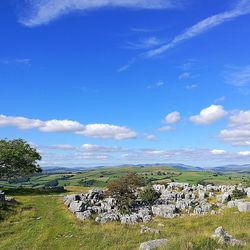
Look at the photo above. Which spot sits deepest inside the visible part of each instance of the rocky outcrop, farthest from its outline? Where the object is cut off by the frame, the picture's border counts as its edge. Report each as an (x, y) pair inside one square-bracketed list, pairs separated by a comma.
[(175, 199), (153, 244)]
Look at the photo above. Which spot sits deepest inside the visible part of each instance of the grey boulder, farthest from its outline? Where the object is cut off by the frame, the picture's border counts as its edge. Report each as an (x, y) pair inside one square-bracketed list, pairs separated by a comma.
[(153, 244), (244, 206)]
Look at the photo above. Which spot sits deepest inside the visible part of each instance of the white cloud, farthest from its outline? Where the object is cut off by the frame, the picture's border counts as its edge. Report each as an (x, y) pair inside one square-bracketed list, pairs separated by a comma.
[(172, 118), (209, 115), (184, 75), (238, 133), (98, 148), (244, 153), (242, 8), (61, 126), (218, 151), (105, 131), (20, 122), (241, 118), (45, 11), (165, 128)]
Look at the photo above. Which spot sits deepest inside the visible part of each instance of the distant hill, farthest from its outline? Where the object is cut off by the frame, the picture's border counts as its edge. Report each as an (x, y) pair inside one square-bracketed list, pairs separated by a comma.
[(233, 168), (178, 166), (51, 170)]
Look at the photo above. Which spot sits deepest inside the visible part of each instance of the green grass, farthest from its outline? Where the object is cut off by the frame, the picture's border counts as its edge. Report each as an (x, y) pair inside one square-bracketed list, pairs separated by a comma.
[(43, 222)]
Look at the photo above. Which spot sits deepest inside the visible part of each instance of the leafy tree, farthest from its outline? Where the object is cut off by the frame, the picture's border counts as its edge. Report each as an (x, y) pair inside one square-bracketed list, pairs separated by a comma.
[(123, 190), (18, 159)]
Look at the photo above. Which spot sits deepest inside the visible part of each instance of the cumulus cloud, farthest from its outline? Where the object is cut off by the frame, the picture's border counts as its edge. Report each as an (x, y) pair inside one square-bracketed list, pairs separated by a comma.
[(45, 11), (242, 8), (238, 133), (209, 115), (172, 118), (105, 131)]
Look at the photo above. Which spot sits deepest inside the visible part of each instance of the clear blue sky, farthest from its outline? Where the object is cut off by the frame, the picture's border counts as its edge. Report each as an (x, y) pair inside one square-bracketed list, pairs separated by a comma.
[(121, 81)]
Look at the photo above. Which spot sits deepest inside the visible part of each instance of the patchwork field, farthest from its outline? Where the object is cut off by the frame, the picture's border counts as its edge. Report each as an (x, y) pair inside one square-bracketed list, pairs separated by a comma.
[(100, 177)]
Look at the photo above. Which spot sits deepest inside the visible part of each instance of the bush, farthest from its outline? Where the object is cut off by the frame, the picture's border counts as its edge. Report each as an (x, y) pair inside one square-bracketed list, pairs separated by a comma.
[(123, 190), (53, 183), (149, 195), (238, 194)]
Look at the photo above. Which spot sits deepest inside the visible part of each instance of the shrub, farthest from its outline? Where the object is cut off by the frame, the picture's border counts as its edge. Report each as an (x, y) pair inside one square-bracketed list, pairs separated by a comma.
[(123, 190), (238, 194), (149, 195)]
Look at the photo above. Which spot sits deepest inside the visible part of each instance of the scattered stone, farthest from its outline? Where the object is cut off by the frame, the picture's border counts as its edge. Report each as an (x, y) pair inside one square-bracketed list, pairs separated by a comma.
[(153, 244), (149, 230), (225, 238)]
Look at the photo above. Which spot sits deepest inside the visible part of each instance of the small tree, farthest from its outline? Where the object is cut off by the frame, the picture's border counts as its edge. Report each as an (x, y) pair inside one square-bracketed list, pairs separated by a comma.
[(123, 190), (149, 195), (18, 159)]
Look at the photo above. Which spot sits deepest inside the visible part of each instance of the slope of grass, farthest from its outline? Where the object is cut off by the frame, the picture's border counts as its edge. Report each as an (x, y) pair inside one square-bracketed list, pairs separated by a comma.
[(43, 222)]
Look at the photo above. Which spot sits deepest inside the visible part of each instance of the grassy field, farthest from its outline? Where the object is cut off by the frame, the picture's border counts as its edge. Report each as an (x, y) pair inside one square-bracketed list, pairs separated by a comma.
[(100, 177), (40, 220), (43, 222)]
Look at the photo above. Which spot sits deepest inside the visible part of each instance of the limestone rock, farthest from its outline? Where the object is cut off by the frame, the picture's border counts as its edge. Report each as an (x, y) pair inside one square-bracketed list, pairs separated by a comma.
[(153, 244)]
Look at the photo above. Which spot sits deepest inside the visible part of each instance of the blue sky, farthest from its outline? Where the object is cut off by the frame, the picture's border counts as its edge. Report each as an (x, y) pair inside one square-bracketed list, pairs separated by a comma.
[(121, 81)]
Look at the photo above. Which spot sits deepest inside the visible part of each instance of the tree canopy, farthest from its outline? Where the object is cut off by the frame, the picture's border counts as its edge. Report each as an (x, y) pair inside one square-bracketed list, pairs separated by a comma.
[(18, 159)]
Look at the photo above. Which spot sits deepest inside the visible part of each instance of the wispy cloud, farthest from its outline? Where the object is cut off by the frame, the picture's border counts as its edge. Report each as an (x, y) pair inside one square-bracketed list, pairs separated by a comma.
[(184, 75), (242, 8), (45, 11), (191, 86), (156, 85), (239, 76), (145, 43), (24, 61)]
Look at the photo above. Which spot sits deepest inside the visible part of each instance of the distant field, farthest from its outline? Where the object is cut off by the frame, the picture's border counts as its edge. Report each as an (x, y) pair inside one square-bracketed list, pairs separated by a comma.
[(100, 177)]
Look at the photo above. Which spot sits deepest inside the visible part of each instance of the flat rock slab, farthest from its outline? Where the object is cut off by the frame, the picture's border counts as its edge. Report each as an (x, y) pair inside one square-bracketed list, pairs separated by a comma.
[(153, 244)]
